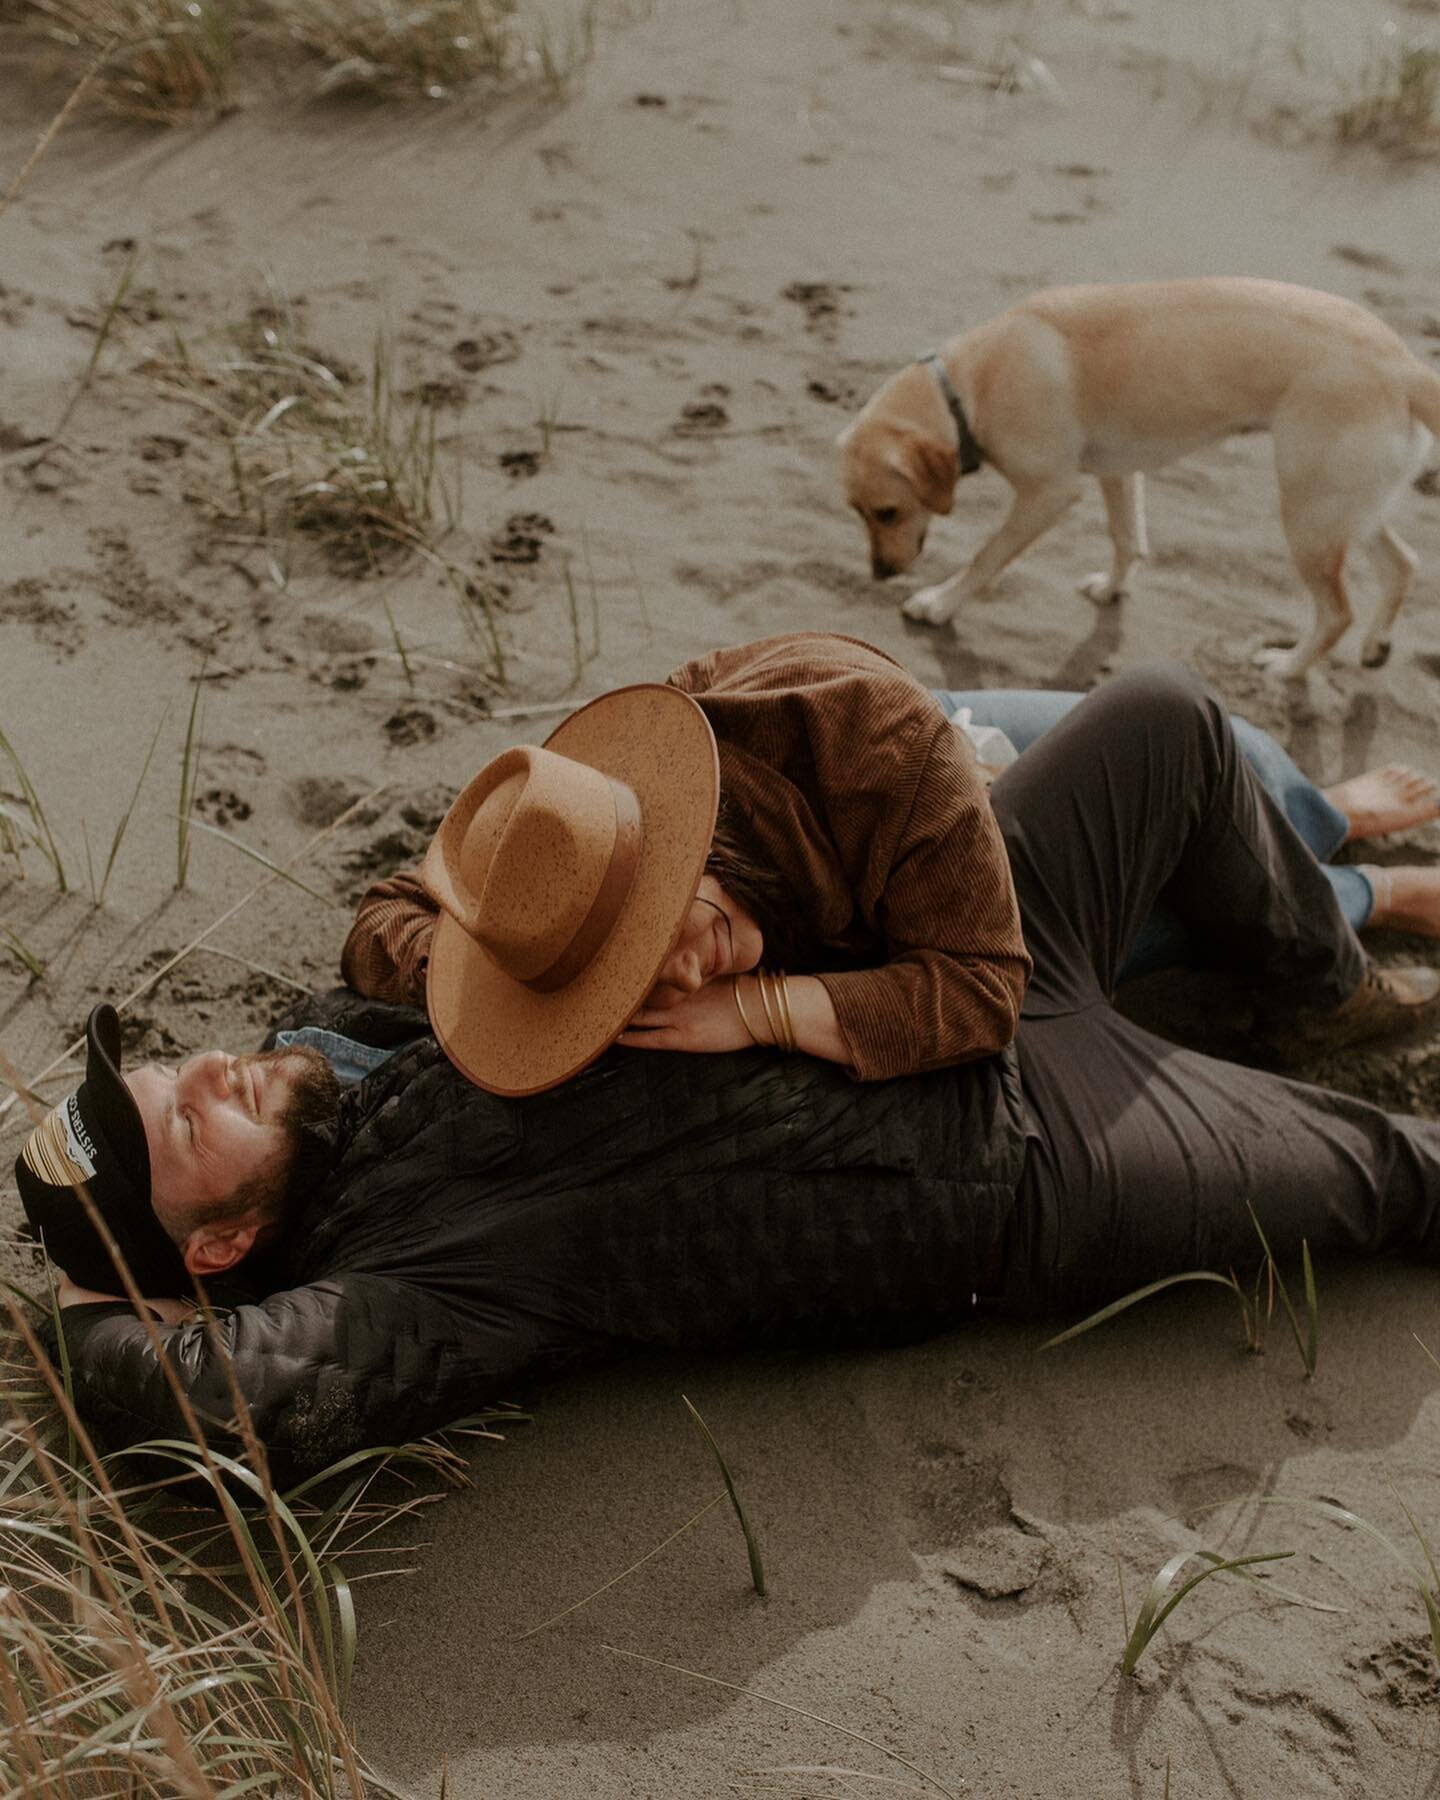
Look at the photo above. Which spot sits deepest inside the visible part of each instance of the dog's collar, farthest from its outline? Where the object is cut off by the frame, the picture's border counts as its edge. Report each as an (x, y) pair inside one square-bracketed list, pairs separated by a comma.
[(971, 455)]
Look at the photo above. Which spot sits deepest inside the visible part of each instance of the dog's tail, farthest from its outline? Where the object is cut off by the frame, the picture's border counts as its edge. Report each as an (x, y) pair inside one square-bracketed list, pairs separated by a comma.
[(1425, 400)]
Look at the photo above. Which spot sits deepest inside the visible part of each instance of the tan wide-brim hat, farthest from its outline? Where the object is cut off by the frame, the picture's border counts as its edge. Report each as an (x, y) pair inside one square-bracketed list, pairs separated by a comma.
[(564, 874)]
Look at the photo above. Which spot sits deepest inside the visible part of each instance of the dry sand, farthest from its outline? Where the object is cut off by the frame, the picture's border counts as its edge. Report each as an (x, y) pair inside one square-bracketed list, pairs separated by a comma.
[(692, 271)]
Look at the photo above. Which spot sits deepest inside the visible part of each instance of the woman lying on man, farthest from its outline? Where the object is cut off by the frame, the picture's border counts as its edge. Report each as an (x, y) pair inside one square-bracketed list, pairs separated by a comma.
[(485, 1205), (853, 893)]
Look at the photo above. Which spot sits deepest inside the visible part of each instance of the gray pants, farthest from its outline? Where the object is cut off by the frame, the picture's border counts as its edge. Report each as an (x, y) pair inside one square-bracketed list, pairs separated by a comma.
[(1143, 1155)]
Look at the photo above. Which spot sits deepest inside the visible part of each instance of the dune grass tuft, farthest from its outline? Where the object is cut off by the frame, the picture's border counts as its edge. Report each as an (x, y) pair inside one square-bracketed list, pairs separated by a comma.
[(24, 823), (162, 61), (1255, 1310), (1397, 106), (23, 954), (168, 61), (189, 1633), (315, 451), (386, 47), (1159, 1602)]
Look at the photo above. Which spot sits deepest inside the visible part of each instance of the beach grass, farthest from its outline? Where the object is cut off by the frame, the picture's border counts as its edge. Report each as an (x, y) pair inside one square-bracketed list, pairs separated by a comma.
[(1160, 1602), (23, 954), (189, 775), (380, 47), (752, 1543), (1256, 1306), (173, 1624), (160, 61), (30, 825), (1426, 1581), (154, 1648), (168, 62), (314, 450), (123, 824), (1396, 105)]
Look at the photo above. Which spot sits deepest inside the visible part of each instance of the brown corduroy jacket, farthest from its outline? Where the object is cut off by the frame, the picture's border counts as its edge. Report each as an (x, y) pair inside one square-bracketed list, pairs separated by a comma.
[(871, 806)]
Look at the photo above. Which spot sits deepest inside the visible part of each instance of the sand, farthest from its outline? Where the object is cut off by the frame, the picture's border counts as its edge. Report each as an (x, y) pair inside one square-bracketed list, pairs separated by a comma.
[(646, 310)]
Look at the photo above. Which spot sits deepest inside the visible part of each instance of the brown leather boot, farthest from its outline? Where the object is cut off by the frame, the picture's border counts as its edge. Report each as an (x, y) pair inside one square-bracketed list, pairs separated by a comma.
[(1389, 1003)]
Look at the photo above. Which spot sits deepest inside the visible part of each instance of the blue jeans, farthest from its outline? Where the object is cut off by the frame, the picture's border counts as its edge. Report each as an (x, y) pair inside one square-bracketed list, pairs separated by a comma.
[(350, 1060), (1025, 714)]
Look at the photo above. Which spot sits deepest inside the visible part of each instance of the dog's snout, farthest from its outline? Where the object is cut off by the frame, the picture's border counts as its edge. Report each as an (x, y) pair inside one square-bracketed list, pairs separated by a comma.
[(882, 570)]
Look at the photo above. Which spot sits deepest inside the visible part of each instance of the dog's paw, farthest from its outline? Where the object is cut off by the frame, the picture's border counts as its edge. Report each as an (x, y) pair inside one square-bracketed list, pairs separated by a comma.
[(1375, 655), (929, 606), (1280, 663), (1101, 589)]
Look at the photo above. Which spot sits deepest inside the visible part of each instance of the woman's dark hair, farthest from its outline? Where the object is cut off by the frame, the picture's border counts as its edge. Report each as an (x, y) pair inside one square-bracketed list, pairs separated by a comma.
[(737, 863)]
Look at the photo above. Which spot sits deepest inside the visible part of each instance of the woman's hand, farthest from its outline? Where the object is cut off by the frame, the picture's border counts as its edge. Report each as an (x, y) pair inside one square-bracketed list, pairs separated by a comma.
[(709, 1019), (705, 1020)]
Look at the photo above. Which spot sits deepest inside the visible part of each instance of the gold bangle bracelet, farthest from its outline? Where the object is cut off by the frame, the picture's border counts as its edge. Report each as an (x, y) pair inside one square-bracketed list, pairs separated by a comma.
[(787, 1018), (765, 980), (740, 1008)]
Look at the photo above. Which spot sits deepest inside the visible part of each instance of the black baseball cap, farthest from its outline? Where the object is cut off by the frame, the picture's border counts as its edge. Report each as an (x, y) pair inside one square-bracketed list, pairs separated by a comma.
[(97, 1137)]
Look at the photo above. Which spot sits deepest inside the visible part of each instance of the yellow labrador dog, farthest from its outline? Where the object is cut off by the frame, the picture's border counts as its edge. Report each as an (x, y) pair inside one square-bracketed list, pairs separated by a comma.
[(1112, 380)]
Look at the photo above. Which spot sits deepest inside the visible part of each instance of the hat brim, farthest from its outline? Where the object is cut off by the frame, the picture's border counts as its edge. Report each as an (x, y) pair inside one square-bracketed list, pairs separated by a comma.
[(512, 1040)]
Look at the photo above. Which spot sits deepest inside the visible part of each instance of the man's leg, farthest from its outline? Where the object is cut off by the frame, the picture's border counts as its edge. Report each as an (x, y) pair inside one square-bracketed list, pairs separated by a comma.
[(1140, 793), (1147, 1155)]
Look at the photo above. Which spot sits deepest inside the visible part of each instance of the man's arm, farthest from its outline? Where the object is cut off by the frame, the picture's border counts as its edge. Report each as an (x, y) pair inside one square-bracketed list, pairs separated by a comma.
[(348, 1361)]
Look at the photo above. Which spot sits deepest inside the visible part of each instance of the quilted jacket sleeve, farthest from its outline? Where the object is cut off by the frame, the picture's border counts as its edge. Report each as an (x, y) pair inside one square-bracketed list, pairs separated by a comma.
[(350, 1360)]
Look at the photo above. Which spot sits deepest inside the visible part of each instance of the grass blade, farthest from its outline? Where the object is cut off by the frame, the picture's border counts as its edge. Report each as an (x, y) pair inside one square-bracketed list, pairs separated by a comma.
[(19, 949), (1342, 1515), (189, 775), (785, 1706), (1312, 1309), (40, 830), (1155, 1609), (1307, 1342), (752, 1547), (124, 824), (1106, 1313), (615, 1580), (259, 856), (117, 300)]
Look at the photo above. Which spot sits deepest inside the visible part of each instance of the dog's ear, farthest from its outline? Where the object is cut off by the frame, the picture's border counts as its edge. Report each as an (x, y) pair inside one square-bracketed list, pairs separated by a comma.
[(932, 468)]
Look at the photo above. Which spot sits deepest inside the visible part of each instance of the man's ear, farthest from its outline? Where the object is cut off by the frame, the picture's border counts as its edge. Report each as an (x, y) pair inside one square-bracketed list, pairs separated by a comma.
[(211, 1249), (932, 468)]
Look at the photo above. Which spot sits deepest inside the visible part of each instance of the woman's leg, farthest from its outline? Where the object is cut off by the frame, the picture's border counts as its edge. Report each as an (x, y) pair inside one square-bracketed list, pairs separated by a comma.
[(1025, 715), (1139, 794)]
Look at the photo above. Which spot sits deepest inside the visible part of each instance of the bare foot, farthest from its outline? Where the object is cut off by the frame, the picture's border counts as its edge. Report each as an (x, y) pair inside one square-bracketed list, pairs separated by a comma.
[(1406, 899), (1384, 800)]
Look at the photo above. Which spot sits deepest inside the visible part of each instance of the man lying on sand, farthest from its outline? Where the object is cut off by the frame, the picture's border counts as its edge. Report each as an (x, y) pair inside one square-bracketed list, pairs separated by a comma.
[(943, 1132)]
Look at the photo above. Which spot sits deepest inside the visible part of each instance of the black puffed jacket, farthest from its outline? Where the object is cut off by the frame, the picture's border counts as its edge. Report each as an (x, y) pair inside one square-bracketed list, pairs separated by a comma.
[(454, 1243)]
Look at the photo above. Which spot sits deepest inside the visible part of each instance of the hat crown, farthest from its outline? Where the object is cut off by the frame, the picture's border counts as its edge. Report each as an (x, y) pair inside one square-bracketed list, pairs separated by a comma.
[(535, 860)]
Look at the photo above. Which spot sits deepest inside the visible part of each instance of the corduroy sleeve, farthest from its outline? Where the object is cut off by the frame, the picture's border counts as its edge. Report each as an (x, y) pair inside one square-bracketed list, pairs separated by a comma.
[(388, 949), (944, 903)]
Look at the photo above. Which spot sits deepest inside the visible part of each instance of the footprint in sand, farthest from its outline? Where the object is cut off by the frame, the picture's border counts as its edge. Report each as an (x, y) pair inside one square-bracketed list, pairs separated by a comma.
[(485, 350), (411, 725)]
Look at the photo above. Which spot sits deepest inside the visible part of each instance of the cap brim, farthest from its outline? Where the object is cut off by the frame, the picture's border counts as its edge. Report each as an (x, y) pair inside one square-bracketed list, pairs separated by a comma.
[(109, 1100), (509, 1038)]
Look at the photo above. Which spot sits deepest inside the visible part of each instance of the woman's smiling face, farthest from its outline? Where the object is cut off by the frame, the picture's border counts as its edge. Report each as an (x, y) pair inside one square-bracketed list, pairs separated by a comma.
[(718, 938)]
